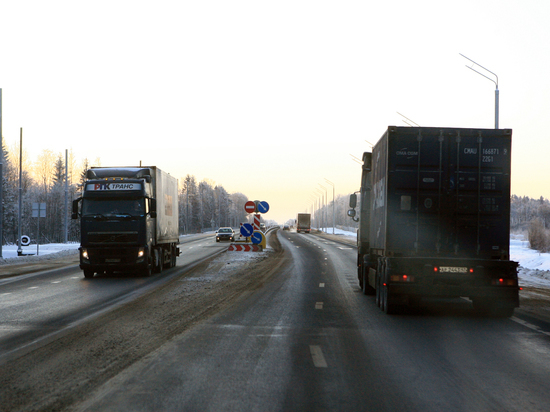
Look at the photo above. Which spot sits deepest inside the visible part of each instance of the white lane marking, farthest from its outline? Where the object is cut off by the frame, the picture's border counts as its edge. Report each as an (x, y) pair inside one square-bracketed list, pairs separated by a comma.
[(530, 326), (344, 248), (33, 287), (319, 305), (4, 294), (321, 285), (317, 356), (75, 277), (56, 281)]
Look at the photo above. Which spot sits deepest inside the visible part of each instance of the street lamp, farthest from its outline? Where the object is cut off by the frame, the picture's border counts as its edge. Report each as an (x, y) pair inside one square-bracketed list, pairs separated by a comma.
[(326, 201), (320, 192), (333, 218), (495, 82)]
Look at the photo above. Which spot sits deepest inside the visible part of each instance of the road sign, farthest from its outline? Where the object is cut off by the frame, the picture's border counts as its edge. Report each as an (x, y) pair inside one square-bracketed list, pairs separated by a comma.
[(25, 240), (39, 210), (257, 238), (247, 230), (250, 207), (263, 207)]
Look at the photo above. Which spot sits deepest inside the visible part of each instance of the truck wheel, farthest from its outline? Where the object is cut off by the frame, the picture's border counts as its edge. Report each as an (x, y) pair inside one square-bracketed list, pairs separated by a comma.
[(367, 289), (147, 270), (88, 273), (389, 307)]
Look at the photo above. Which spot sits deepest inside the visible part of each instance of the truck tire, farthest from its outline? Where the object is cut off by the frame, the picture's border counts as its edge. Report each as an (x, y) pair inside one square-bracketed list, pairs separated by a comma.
[(147, 270), (88, 273), (389, 307), (367, 289)]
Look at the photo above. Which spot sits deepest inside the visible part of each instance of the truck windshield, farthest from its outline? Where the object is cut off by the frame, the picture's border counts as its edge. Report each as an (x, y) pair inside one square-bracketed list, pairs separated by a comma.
[(113, 207)]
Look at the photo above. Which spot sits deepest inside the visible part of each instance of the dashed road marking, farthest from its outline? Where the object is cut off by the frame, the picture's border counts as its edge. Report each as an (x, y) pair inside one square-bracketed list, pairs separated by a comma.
[(56, 281), (317, 356), (33, 287)]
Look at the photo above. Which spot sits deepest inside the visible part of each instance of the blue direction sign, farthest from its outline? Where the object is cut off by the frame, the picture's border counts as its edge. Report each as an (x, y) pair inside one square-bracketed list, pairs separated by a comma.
[(257, 238), (263, 207), (247, 230)]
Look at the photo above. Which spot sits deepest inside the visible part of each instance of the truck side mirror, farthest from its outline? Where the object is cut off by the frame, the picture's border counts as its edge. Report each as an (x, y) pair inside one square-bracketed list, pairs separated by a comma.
[(351, 213), (352, 201), (153, 209), (74, 215)]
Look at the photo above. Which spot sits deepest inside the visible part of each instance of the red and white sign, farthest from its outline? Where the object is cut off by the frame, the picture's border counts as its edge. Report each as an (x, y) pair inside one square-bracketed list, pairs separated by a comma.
[(250, 207), (245, 248), (257, 222)]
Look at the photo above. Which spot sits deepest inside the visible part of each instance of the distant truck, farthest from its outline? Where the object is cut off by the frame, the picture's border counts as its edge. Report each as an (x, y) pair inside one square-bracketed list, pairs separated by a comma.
[(303, 223), (129, 220), (435, 218)]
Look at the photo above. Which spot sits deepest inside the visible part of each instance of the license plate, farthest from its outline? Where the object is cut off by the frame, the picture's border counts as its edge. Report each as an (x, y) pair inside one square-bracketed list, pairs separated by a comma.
[(452, 269), (112, 260)]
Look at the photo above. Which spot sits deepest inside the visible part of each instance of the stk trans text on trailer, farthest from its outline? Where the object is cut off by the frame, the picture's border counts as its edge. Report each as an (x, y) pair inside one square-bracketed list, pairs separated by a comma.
[(129, 220), (434, 218)]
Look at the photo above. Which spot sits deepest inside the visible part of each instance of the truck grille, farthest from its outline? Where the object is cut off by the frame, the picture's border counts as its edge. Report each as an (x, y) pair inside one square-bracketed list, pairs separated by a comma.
[(112, 237)]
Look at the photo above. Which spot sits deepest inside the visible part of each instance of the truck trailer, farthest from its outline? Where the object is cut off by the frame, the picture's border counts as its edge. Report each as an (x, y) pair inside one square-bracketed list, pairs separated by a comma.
[(303, 223), (434, 218), (129, 220)]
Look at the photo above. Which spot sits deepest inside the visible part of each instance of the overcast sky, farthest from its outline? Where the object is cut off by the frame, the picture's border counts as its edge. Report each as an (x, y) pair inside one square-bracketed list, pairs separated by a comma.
[(270, 98)]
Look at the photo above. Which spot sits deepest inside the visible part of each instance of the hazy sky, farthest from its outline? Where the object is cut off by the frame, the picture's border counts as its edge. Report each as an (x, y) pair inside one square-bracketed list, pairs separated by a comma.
[(270, 98)]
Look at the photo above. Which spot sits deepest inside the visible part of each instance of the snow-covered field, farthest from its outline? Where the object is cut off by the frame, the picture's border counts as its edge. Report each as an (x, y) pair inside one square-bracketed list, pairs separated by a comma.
[(534, 266)]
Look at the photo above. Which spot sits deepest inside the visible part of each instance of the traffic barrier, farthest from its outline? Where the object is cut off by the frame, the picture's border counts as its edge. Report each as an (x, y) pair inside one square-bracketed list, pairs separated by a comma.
[(245, 248)]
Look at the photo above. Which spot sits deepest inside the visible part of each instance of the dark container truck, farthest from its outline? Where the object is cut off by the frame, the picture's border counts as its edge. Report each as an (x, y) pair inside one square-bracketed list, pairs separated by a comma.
[(129, 220), (435, 218), (303, 223)]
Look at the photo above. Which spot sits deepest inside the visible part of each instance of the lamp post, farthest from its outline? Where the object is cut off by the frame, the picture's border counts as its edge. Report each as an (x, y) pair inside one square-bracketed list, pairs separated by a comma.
[(320, 193), (495, 82), (326, 201), (333, 218)]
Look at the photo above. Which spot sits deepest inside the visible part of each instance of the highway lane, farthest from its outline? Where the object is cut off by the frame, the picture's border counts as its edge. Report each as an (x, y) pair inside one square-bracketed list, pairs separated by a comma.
[(39, 305), (310, 340)]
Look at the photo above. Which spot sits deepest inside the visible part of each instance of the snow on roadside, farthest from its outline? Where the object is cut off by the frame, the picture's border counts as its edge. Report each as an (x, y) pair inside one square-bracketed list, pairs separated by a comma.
[(534, 267), (47, 251)]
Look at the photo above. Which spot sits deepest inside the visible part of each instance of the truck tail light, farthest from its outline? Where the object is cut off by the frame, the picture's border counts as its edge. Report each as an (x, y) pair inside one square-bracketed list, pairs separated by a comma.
[(504, 282), (402, 278)]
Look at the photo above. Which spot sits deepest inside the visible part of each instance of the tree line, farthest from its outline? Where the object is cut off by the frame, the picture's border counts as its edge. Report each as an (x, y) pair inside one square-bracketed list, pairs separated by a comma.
[(202, 205)]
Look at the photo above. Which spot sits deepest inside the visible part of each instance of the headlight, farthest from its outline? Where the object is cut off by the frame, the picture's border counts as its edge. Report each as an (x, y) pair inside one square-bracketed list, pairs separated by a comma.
[(141, 252), (85, 254)]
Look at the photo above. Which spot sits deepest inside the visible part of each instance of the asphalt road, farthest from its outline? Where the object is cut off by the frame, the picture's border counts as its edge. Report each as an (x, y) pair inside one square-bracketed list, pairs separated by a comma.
[(37, 307), (308, 339)]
